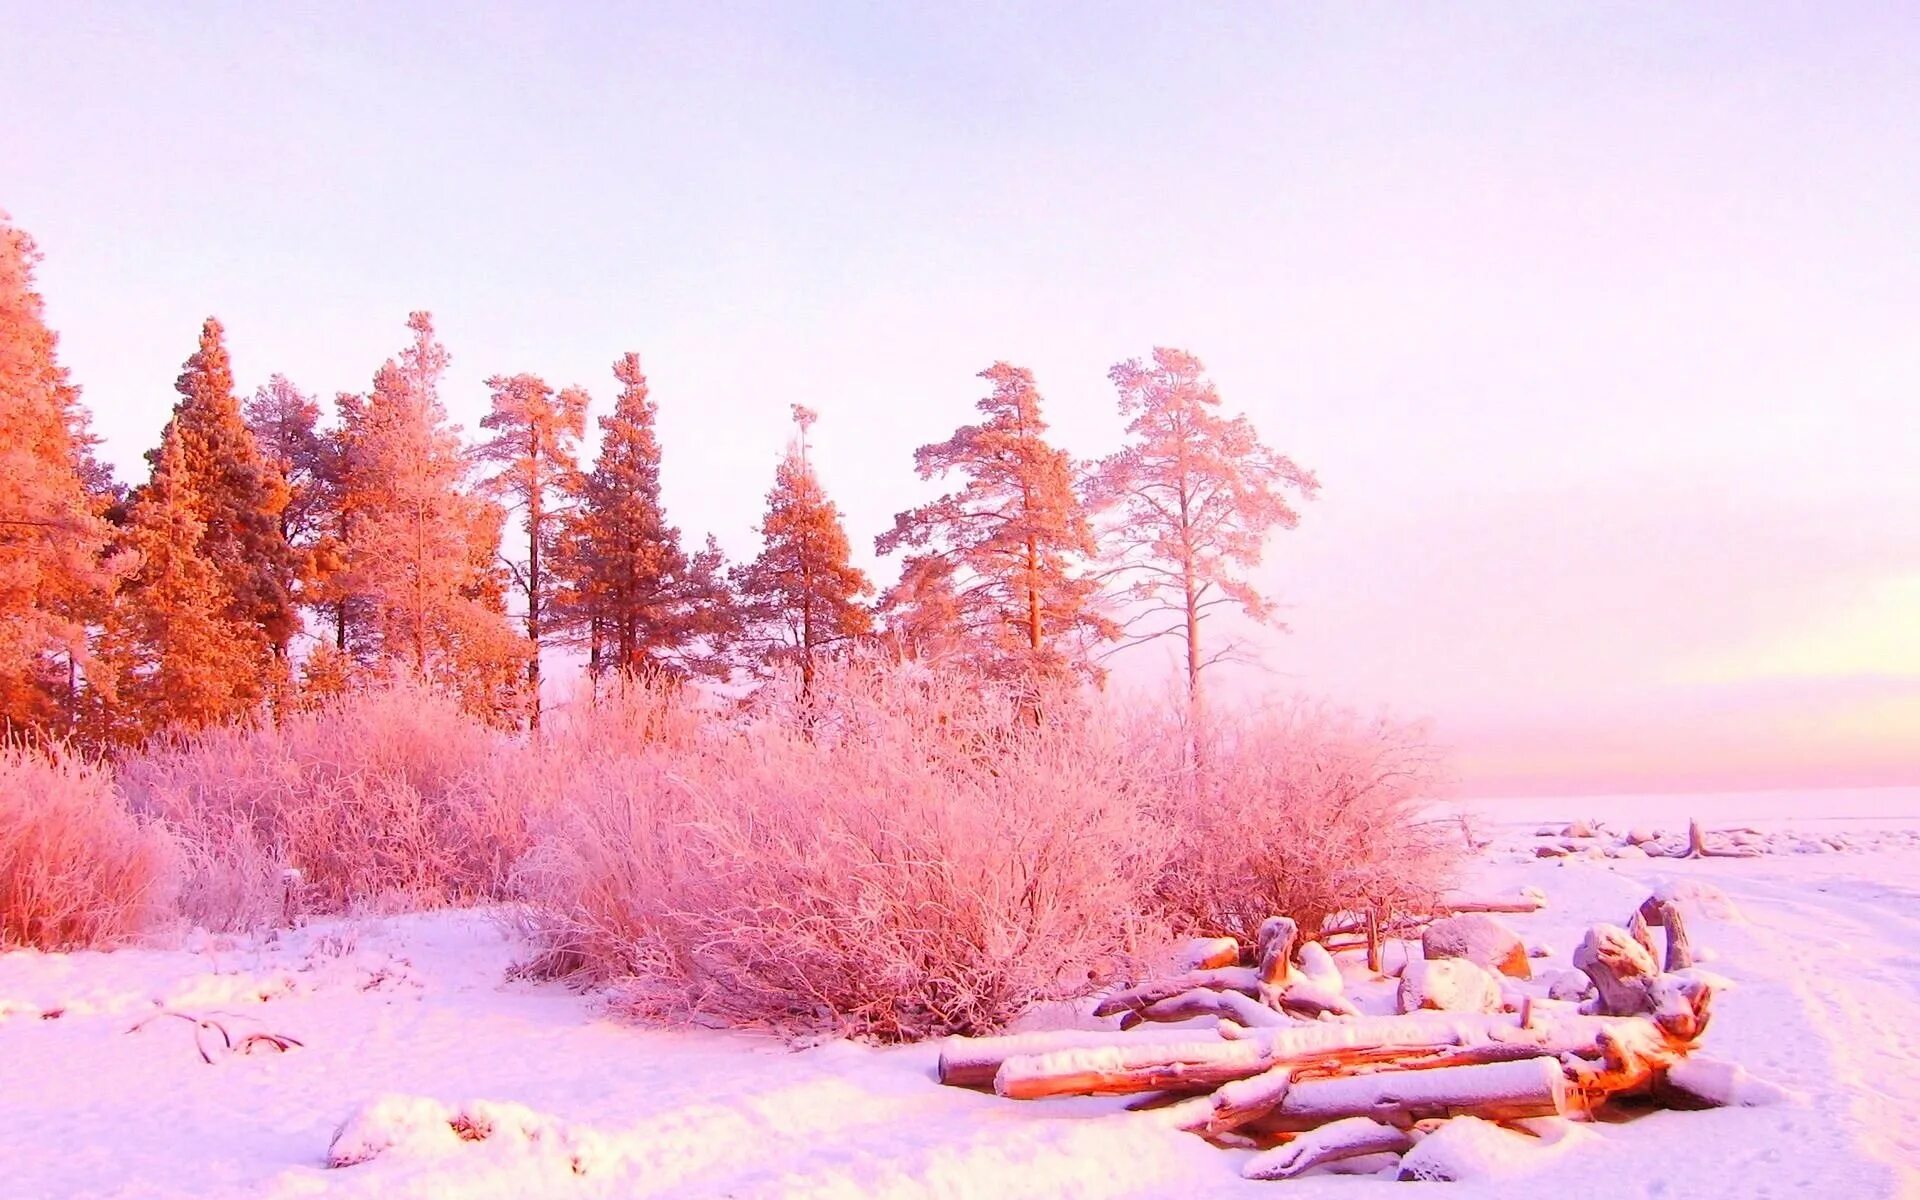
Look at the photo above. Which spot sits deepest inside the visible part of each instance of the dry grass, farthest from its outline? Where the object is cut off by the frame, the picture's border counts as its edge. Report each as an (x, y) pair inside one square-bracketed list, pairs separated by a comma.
[(76, 868), (386, 798)]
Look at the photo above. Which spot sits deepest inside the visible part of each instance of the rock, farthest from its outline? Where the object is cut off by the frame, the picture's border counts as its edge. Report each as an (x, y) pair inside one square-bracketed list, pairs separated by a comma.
[(1539, 950), (1640, 835), (1569, 985), (1448, 984), (1630, 851), (1547, 831), (1319, 968), (1696, 898), (1550, 850), (1479, 939), (1578, 829)]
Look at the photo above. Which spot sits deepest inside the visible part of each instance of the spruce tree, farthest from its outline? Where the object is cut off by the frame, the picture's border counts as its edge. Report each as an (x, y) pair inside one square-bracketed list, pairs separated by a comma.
[(802, 595), (55, 577)]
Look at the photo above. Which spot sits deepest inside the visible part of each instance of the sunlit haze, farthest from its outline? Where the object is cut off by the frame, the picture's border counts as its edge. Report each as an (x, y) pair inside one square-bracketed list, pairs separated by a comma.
[(1598, 325)]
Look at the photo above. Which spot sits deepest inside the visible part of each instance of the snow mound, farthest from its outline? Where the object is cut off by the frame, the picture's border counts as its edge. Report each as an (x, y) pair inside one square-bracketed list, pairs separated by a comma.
[(422, 1128), (1468, 1148)]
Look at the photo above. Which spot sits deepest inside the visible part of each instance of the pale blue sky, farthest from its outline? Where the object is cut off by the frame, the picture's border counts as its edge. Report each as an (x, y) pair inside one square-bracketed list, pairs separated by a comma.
[(1599, 322)]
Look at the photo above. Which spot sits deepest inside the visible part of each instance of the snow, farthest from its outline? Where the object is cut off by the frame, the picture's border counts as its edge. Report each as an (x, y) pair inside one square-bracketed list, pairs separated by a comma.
[(415, 1043)]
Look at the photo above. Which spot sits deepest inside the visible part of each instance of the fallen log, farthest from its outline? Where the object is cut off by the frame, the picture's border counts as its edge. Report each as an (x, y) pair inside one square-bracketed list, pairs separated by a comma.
[(1202, 1002), (1248, 1099), (1244, 980), (1527, 900), (1119, 1070), (973, 1062), (1349, 1138), (1531, 1087)]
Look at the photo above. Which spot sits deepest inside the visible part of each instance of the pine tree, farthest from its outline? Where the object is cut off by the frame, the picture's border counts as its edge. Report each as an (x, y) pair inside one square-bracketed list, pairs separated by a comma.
[(286, 426), (802, 594), (241, 497), (55, 577), (182, 653), (1193, 498), (535, 444), (1006, 547), (420, 547), (642, 601)]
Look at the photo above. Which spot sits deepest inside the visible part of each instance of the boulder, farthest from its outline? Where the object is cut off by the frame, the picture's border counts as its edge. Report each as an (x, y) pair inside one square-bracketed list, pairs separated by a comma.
[(1694, 897), (1569, 985), (1448, 984), (1640, 835), (1480, 939)]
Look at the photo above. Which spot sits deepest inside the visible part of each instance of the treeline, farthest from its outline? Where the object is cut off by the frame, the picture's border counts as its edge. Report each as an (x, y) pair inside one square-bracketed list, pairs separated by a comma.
[(276, 556)]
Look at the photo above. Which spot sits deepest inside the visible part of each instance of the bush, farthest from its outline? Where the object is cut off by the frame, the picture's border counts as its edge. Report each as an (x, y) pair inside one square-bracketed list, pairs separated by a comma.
[(76, 868), (375, 797), (896, 855), (1303, 810)]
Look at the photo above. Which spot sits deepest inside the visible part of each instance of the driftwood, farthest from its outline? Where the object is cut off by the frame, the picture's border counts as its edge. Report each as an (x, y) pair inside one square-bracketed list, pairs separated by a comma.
[(1530, 1087), (1349, 1138), (1697, 846), (1679, 946), (1203, 954), (1309, 1093), (973, 1062), (1201, 1002), (1224, 979)]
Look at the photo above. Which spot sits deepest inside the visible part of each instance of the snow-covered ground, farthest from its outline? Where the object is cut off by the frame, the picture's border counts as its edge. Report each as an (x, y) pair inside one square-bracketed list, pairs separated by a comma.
[(409, 1026)]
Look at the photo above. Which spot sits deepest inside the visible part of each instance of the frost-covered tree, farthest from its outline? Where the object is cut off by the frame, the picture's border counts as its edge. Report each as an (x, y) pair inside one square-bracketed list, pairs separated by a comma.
[(1004, 553), (181, 646), (55, 576), (803, 594), (241, 497), (638, 599), (1190, 502), (535, 448), (421, 546)]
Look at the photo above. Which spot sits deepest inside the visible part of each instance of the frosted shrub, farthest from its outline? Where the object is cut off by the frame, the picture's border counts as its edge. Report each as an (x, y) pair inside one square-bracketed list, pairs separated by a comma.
[(76, 868), (372, 797), (1301, 809), (896, 856)]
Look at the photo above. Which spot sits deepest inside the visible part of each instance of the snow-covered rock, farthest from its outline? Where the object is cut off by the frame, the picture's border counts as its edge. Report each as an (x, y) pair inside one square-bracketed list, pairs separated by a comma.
[(1479, 939), (1448, 984)]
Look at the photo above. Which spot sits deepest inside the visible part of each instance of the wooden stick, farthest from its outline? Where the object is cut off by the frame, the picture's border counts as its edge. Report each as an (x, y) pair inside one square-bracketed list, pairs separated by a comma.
[(1202, 1003)]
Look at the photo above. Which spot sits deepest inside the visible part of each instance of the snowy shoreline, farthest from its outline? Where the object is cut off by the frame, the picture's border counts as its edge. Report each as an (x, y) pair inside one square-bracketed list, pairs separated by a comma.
[(402, 1017)]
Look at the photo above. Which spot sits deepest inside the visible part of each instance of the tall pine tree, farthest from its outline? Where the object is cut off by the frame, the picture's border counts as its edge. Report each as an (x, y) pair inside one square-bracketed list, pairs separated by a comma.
[(1192, 499), (1004, 552), (182, 651), (641, 601), (240, 497), (55, 577), (421, 548), (535, 446), (802, 595)]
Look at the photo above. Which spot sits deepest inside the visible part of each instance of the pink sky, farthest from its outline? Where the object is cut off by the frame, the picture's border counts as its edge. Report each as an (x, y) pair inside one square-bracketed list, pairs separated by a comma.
[(1599, 326)]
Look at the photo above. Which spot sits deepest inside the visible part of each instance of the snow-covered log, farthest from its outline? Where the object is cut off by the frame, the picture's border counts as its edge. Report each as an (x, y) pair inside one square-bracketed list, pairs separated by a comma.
[(1530, 1087), (1526, 900), (973, 1062), (1332, 1142), (1244, 980), (1202, 1002), (1248, 1099), (1124, 1069)]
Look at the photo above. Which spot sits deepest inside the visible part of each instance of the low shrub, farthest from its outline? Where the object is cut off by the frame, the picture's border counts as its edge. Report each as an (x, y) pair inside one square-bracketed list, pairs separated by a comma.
[(76, 868), (1301, 809), (894, 855), (381, 797)]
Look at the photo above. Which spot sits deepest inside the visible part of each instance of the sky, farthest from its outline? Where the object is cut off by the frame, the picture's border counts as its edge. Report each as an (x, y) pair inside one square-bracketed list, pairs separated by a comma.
[(1599, 323)]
